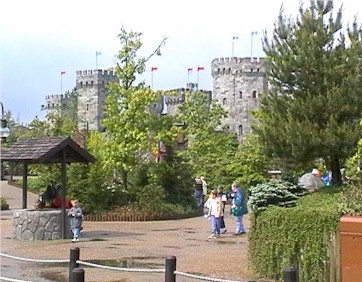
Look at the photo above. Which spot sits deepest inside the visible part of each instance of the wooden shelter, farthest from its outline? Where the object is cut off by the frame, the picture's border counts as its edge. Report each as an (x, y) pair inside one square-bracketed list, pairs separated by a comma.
[(46, 150)]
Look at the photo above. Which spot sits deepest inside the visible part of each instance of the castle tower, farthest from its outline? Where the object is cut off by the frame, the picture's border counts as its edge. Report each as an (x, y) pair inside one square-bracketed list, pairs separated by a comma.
[(238, 83), (92, 89), (174, 102), (55, 102)]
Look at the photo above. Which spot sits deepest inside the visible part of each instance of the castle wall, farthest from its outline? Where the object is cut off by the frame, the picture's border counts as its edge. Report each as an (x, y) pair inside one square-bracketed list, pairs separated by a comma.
[(92, 88), (238, 83)]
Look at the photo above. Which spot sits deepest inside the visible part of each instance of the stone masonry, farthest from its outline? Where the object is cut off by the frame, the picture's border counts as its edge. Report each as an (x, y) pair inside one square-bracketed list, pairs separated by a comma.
[(238, 83), (42, 224)]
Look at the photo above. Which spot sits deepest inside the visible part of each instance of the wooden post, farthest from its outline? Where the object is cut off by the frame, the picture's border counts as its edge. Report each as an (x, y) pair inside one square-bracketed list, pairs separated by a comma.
[(290, 274), (63, 195), (170, 276), (25, 186), (74, 256), (78, 275)]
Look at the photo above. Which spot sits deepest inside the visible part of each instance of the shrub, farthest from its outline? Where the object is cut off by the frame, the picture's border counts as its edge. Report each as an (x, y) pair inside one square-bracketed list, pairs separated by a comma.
[(281, 237), (4, 204), (351, 200), (274, 192)]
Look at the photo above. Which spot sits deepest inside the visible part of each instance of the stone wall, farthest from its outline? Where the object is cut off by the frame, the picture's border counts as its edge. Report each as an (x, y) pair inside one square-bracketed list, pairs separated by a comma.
[(238, 83), (42, 224)]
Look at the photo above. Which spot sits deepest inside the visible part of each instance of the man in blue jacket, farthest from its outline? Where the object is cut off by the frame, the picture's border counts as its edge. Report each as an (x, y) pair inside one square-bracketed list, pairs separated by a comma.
[(238, 208)]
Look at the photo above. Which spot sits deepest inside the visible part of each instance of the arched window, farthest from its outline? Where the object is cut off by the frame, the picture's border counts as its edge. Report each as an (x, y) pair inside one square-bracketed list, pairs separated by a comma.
[(229, 71), (254, 94), (241, 94), (240, 129), (224, 101)]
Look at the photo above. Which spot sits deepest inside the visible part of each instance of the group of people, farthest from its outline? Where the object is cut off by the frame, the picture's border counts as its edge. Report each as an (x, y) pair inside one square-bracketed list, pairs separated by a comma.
[(215, 205)]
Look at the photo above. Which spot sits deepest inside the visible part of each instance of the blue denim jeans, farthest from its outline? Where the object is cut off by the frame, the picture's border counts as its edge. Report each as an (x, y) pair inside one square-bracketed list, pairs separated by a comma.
[(215, 224), (199, 198), (239, 224), (76, 232)]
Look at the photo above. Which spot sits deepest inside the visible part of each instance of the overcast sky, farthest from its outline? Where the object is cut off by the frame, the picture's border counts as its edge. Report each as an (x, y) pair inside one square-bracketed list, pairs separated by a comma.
[(42, 38)]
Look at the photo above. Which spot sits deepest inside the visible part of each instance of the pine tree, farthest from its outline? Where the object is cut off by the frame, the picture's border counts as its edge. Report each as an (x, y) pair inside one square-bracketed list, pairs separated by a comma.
[(314, 104)]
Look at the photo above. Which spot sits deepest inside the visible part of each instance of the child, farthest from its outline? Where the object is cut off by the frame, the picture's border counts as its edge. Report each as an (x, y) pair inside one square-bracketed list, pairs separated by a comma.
[(76, 219), (214, 204), (223, 201)]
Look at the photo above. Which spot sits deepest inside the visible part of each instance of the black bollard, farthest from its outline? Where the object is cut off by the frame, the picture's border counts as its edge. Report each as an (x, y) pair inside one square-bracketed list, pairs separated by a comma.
[(290, 274), (170, 275), (74, 256), (78, 275)]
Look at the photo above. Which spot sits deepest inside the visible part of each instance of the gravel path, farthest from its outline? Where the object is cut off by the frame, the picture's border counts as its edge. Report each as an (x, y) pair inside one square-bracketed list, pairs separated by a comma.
[(130, 244)]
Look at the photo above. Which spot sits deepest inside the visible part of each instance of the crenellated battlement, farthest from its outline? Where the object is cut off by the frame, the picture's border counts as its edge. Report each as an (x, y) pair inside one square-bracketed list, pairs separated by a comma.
[(237, 66), (57, 97), (98, 72), (238, 60)]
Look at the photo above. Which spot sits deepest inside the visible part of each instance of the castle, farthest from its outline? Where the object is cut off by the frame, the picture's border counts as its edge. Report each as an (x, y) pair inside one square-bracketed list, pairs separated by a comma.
[(237, 86)]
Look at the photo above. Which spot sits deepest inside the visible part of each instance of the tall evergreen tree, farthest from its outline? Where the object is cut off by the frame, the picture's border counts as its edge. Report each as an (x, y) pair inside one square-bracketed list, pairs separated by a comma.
[(314, 104)]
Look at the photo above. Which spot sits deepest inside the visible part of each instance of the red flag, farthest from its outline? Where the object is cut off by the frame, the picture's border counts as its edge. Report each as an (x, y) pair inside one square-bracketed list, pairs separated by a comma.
[(154, 68), (200, 68), (62, 72), (189, 69)]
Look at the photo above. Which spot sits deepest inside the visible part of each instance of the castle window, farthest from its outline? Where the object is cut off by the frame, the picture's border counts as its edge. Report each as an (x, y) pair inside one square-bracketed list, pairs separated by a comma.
[(254, 94), (52, 106), (87, 107), (92, 84), (86, 84), (224, 101), (81, 84), (48, 106), (257, 70), (229, 71), (236, 72), (240, 131), (223, 71), (251, 70), (218, 71)]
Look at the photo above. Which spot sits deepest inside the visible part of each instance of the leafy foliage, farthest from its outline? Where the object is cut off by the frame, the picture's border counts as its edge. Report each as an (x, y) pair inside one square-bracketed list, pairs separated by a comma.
[(299, 234), (314, 104), (274, 192), (209, 149)]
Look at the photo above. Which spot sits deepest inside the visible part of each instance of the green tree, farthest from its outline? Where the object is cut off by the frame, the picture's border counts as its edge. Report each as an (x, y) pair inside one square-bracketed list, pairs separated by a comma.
[(128, 108), (314, 104), (210, 148), (249, 165)]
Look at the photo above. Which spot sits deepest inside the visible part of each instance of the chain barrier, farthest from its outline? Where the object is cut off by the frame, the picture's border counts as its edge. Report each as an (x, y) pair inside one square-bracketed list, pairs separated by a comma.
[(205, 278), (12, 280), (144, 270)]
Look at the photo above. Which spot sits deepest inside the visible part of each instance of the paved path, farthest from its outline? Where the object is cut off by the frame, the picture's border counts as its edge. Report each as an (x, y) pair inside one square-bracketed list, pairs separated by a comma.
[(131, 244)]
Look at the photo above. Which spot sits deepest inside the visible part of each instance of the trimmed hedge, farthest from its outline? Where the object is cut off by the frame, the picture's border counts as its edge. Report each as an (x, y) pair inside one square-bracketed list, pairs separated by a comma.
[(281, 237)]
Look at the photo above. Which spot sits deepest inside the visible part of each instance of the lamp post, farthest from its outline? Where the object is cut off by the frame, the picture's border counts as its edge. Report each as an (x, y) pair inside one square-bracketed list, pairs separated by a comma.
[(4, 130)]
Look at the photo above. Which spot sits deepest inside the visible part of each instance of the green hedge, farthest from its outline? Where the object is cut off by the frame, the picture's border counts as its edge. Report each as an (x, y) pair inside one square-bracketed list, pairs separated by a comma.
[(281, 237)]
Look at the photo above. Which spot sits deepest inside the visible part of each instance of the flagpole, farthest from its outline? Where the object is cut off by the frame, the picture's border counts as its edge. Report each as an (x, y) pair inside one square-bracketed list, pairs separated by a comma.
[(251, 44), (61, 83), (232, 42), (97, 53)]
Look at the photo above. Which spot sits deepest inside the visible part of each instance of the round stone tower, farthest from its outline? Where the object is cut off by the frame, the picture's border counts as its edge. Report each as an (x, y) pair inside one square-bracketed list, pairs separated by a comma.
[(92, 89), (237, 85)]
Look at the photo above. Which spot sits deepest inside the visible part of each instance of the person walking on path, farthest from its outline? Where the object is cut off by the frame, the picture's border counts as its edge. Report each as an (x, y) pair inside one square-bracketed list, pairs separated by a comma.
[(238, 208), (76, 219), (223, 197), (198, 192), (215, 213), (204, 188)]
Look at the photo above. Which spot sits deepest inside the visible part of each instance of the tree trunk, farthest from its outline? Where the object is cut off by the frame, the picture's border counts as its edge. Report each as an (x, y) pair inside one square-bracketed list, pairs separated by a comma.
[(336, 171), (125, 179)]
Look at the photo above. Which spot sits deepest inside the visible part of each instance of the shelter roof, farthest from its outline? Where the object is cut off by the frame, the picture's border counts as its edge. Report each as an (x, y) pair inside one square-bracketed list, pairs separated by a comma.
[(43, 150)]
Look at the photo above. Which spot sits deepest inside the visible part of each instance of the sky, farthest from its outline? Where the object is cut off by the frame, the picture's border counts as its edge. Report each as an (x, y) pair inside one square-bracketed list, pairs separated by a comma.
[(42, 38)]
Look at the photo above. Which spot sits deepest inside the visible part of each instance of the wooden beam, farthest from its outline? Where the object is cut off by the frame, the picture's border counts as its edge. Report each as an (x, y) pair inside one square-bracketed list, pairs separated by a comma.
[(25, 185)]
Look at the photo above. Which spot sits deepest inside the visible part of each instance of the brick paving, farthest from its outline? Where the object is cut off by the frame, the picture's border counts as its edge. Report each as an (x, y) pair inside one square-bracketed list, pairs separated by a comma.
[(130, 244)]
